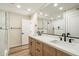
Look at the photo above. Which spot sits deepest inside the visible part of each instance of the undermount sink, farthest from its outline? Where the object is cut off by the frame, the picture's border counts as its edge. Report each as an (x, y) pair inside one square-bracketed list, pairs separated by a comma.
[(65, 44), (57, 41)]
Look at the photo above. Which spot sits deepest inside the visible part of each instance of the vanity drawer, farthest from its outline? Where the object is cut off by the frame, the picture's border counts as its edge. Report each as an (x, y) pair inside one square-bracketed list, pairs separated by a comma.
[(60, 53), (38, 52), (48, 50), (32, 46), (38, 43), (38, 48)]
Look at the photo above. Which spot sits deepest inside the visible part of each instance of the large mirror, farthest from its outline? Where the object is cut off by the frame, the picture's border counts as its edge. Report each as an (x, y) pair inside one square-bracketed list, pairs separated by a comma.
[(72, 22), (59, 19)]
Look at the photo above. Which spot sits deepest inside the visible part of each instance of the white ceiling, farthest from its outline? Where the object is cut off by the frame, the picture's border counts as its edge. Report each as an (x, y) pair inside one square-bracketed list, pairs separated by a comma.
[(54, 11), (35, 7), (24, 6)]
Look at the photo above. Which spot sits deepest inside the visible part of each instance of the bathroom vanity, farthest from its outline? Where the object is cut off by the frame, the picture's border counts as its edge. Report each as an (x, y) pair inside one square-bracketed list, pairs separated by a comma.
[(51, 46)]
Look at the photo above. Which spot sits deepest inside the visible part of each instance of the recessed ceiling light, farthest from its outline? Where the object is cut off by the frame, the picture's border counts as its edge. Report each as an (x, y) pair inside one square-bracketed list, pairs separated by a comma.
[(55, 4), (46, 15), (18, 6), (61, 8), (41, 13), (28, 9), (59, 16)]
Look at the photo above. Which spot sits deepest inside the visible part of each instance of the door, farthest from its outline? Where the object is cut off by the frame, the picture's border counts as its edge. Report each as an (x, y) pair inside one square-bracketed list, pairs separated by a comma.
[(2, 37), (2, 19), (26, 30), (14, 30), (3, 34), (3, 42), (14, 37)]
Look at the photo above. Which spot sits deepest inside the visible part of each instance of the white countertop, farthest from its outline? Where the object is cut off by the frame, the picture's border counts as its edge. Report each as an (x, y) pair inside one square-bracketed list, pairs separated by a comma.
[(70, 48)]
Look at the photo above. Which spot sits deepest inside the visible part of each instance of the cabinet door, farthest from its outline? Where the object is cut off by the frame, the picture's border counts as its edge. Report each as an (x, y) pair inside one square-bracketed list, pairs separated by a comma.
[(48, 51), (38, 48), (38, 52), (32, 46), (60, 53)]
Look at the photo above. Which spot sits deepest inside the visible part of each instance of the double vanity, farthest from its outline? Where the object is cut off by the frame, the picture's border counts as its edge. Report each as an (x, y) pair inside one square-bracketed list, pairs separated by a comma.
[(51, 45)]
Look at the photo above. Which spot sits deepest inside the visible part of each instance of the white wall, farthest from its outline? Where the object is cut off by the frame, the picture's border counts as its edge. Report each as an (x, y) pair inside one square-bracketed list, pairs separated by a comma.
[(40, 23), (50, 27), (26, 29), (61, 24), (34, 24), (45, 25)]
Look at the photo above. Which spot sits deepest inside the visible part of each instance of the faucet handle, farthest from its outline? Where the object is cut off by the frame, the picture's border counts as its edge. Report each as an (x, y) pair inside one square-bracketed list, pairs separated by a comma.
[(63, 34), (68, 34), (60, 38), (70, 40)]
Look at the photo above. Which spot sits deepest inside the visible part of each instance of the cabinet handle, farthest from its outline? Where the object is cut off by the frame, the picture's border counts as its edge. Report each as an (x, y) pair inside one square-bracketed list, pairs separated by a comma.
[(38, 42), (38, 50), (30, 43)]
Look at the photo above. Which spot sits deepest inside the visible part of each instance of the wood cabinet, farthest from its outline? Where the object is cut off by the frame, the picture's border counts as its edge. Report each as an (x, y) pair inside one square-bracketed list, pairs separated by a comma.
[(35, 47), (60, 53), (48, 51), (38, 48), (32, 46)]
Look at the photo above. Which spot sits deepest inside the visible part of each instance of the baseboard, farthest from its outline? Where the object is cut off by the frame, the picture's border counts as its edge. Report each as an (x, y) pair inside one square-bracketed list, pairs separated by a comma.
[(16, 49), (18, 46)]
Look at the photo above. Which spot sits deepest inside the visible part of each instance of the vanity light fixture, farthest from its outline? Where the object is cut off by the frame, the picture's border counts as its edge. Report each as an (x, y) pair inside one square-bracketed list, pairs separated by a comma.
[(56, 4), (61, 8), (18, 6)]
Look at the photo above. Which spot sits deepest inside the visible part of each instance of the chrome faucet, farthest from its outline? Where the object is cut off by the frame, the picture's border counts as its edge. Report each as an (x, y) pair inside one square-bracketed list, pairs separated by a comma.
[(64, 35), (40, 33), (68, 34)]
